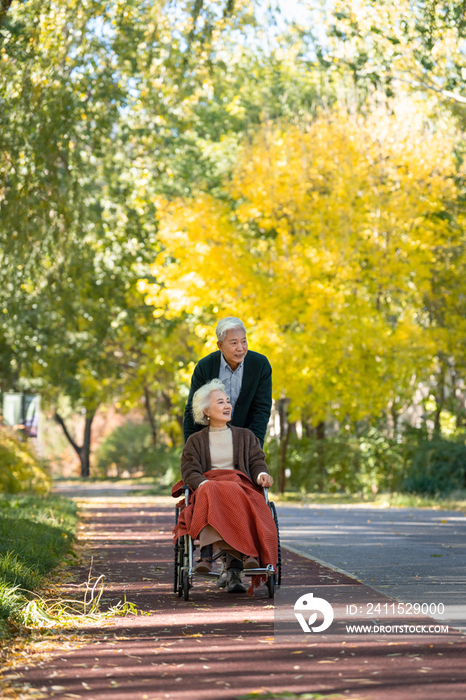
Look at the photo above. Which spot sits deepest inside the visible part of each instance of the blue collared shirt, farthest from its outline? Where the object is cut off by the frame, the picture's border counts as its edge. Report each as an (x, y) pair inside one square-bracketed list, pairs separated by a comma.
[(231, 380)]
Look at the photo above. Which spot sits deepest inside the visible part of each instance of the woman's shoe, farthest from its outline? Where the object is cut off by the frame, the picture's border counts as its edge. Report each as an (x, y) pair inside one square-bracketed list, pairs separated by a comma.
[(203, 566), (222, 580), (250, 562), (234, 582)]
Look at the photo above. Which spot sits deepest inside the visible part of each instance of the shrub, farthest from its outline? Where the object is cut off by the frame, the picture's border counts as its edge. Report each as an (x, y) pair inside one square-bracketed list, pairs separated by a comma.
[(373, 462), (20, 469), (130, 448), (437, 466), (341, 462)]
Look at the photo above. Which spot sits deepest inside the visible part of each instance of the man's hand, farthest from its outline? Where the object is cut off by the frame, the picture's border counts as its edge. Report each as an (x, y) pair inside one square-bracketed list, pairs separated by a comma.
[(265, 480)]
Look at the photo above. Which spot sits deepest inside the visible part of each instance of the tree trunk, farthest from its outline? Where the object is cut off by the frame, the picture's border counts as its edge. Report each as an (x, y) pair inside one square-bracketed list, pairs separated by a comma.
[(4, 7), (150, 415), (394, 414), (282, 408), (460, 407), (86, 448), (83, 452), (320, 431), (307, 425), (179, 417), (320, 436), (458, 399), (282, 469), (439, 400)]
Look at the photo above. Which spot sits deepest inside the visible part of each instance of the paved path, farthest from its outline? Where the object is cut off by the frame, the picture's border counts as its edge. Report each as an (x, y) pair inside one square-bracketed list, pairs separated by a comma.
[(221, 646), (98, 489), (412, 555)]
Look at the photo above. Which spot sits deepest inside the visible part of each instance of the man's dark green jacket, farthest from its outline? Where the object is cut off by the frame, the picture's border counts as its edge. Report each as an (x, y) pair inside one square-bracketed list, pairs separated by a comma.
[(252, 409)]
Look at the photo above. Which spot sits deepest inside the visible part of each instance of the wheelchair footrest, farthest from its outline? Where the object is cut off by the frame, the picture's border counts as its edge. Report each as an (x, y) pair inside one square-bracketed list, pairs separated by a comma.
[(257, 572), (211, 574), (246, 572)]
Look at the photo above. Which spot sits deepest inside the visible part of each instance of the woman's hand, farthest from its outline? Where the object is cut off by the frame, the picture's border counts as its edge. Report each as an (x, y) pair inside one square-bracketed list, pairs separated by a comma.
[(265, 480)]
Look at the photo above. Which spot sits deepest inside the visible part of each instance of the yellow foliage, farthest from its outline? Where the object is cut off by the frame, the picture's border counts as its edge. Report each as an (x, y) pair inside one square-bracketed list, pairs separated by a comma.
[(324, 247), (20, 469)]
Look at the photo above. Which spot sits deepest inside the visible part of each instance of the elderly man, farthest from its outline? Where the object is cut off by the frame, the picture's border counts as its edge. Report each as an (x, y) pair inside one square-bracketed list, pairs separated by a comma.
[(247, 377)]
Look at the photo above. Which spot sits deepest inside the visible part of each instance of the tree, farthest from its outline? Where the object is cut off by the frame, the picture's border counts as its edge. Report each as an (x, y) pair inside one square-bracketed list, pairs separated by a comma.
[(384, 43), (325, 248), (79, 126)]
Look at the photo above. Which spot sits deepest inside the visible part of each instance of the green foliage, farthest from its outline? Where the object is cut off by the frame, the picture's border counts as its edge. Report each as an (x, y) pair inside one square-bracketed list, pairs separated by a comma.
[(20, 469), (438, 467), (403, 45), (372, 463), (36, 531), (341, 462), (130, 448), (171, 460), (108, 108), (102, 110), (35, 534), (10, 603)]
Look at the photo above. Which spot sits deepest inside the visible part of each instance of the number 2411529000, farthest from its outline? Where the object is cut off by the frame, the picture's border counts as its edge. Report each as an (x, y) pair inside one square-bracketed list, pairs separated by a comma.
[(396, 609)]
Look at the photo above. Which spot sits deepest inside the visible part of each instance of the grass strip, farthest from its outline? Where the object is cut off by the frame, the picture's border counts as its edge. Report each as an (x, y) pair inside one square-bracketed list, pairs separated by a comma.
[(454, 501), (36, 533)]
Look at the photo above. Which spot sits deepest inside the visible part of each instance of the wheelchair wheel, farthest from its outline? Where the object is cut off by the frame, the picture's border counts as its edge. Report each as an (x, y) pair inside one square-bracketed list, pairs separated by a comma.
[(175, 570), (186, 585), (176, 563), (278, 575), (271, 585), (179, 574)]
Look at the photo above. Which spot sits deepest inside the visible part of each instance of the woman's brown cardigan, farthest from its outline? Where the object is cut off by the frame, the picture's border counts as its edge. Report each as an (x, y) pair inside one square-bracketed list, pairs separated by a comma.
[(248, 456)]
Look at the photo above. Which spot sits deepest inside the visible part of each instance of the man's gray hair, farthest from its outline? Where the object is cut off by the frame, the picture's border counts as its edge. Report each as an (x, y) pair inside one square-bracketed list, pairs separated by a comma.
[(201, 400), (228, 324)]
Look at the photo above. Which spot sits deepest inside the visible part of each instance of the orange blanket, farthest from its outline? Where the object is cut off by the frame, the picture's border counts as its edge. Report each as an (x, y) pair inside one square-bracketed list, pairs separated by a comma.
[(236, 508)]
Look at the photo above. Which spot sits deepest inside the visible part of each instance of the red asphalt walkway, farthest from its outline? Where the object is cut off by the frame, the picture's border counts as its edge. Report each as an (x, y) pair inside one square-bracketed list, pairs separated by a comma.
[(219, 645)]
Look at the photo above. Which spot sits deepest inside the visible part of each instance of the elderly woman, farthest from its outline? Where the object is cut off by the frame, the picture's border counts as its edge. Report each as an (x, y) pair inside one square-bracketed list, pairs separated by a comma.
[(225, 467)]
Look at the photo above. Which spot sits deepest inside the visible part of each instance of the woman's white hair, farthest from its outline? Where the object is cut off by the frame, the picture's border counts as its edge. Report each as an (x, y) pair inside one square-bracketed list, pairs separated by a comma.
[(201, 400), (228, 324)]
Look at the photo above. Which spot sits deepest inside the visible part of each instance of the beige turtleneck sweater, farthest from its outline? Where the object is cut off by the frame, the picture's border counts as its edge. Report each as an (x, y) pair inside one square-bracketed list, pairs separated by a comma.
[(221, 450)]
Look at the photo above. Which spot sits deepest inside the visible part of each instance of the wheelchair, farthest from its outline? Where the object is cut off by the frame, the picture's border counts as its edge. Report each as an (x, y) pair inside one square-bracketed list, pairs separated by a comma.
[(184, 551)]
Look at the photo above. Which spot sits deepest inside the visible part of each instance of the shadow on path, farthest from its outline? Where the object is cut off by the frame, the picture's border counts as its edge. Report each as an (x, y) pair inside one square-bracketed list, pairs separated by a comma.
[(218, 645)]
